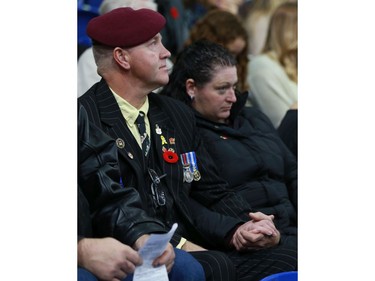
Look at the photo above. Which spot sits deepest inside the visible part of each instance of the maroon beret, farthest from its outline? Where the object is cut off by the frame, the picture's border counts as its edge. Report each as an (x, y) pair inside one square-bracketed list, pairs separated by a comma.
[(125, 27)]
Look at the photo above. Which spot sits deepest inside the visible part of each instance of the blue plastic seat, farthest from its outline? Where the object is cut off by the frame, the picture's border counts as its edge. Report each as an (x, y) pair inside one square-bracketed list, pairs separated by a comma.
[(87, 9), (83, 18), (283, 276), (94, 5)]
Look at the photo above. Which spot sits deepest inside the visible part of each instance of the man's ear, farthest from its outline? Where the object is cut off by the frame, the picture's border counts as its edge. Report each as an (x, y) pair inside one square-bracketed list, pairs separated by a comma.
[(121, 56)]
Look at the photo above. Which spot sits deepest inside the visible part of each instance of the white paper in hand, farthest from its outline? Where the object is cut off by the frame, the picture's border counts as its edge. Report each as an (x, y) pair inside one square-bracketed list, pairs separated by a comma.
[(153, 248)]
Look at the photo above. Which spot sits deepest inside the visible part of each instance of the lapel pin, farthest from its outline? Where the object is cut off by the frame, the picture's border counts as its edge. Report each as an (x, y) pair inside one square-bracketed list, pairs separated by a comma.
[(163, 141), (170, 157), (120, 143), (157, 129)]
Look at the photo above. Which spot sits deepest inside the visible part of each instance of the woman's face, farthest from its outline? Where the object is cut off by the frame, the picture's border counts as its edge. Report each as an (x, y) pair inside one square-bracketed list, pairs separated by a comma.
[(236, 46), (214, 100)]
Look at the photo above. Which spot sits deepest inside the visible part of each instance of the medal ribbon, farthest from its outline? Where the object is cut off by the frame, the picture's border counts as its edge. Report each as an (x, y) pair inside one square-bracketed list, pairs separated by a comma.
[(184, 160), (193, 161)]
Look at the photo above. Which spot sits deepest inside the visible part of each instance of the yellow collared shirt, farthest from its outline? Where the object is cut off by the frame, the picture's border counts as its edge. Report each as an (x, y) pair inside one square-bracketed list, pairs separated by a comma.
[(131, 113)]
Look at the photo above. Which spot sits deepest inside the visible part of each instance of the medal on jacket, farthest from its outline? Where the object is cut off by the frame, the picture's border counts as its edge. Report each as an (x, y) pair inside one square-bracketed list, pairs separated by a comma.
[(189, 163), (188, 176), (197, 175)]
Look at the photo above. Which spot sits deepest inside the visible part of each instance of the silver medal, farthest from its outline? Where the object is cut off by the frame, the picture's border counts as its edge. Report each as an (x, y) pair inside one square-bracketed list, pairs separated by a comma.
[(188, 175)]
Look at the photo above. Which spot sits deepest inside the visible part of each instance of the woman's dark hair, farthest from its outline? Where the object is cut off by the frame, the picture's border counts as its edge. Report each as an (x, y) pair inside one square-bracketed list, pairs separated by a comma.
[(197, 61)]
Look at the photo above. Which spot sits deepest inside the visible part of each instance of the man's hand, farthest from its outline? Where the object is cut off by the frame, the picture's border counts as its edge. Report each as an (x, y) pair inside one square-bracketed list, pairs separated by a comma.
[(260, 216), (167, 257), (140, 241), (107, 258), (260, 232)]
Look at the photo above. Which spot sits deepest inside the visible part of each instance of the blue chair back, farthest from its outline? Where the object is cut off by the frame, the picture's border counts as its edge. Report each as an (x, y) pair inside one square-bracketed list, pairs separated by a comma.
[(283, 276), (87, 9)]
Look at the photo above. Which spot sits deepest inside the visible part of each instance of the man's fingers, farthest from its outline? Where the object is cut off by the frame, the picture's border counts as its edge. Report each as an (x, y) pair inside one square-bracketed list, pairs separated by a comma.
[(260, 216), (250, 237), (243, 239), (169, 266), (134, 257), (127, 267), (166, 258), (119, 275), (266, 227)]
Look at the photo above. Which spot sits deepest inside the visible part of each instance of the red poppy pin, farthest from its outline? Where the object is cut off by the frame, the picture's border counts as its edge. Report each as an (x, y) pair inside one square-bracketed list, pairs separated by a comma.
[(170, 156), (174, 13)]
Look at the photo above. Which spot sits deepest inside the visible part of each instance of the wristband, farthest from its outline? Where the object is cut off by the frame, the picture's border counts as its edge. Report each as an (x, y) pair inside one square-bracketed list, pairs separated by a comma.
[(182, 243)]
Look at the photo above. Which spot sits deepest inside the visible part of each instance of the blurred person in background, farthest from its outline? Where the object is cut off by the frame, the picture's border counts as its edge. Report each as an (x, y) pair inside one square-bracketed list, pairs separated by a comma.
[(196, 9), (273, 75), (256, 21), (176, 30)]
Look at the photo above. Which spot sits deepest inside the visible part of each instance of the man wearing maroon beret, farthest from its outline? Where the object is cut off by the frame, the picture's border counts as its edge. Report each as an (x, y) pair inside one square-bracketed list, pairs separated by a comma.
[(162, 156)]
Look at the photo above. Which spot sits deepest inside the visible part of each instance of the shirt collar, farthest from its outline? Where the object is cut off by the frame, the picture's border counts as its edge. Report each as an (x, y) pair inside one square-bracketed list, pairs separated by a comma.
[(129, 112)]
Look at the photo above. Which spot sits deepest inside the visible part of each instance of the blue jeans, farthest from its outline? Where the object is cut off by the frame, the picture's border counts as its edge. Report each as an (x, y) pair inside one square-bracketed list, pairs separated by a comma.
[(84, 275), (185, 268)]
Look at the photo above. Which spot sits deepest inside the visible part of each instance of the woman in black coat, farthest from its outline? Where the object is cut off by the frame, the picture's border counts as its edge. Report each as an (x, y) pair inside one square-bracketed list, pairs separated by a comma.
[(245, 146)]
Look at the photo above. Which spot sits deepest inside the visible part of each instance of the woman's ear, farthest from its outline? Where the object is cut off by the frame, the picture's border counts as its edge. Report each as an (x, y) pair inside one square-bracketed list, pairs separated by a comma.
[(121, 56), (190, 88)]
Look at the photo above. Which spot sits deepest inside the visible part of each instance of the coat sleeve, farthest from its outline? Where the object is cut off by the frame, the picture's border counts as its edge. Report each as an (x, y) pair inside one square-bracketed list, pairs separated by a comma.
[(215, 206), (116, 211), (288, 130), (213, 191), (260, 121)]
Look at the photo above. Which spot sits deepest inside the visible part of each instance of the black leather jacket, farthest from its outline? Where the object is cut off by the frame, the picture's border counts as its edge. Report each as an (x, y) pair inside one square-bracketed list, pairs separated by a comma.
[(99, 202)]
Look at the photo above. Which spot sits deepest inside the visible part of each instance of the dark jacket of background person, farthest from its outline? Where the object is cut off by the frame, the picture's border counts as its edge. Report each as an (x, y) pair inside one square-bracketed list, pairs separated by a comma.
[(98, 175), (176, 29), (184, 200), (255, 162), (288, 130)]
